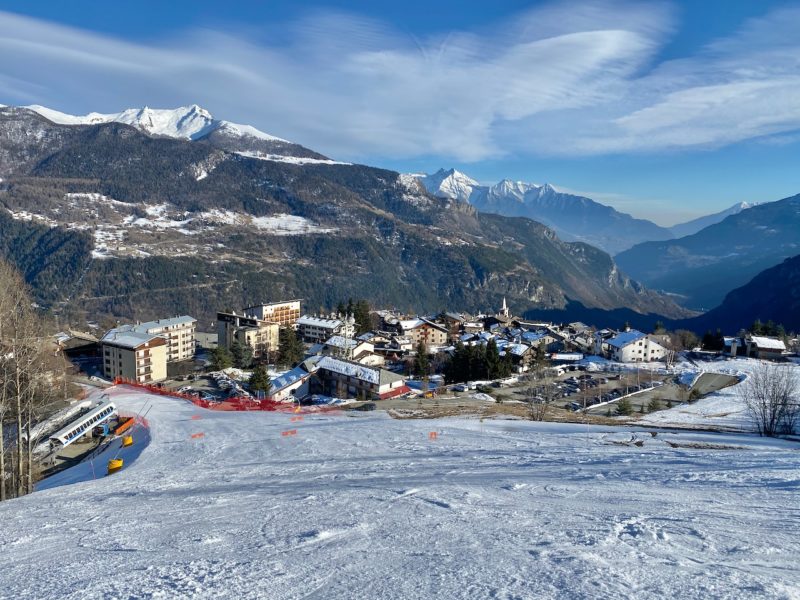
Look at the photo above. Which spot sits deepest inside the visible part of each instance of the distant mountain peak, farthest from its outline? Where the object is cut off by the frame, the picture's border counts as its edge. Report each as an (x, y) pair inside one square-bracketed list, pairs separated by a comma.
[(191, 122), (574, 218), (449, 183), (691, 227)]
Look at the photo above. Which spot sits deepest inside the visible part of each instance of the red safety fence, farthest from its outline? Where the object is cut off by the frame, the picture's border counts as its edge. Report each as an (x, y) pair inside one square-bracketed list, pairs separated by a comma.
[(238, 403)]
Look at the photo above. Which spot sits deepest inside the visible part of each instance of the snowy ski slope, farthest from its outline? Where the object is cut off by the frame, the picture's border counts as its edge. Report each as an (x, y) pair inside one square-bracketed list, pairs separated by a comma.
[(363, 506)]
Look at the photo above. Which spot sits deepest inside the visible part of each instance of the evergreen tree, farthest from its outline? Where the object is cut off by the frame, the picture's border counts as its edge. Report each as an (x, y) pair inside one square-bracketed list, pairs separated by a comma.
[(624, 407), (653, 405), (421, 362), (362, 317), (757, 328), (221, 358), (290, 348), (259, 380), (492, 360), (242, 355)]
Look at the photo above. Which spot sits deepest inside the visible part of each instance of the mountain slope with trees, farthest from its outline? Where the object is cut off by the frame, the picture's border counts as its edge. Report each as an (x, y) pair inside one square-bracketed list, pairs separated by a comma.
[(707, 265), (159, 225), (772, 295)]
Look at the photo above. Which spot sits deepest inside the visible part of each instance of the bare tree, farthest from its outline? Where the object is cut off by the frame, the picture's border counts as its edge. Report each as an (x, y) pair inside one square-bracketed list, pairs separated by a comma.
[(26, 382), (771, 396), (536, 390)]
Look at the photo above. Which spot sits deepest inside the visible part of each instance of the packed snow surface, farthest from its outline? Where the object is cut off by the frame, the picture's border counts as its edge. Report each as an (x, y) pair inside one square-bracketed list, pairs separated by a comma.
[(357, 505)]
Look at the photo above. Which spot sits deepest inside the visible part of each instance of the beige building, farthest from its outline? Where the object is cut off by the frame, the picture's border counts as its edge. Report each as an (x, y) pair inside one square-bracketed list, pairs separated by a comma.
[(179, 332), (135, 356), (283, 313), (427, 332), (261, 336)]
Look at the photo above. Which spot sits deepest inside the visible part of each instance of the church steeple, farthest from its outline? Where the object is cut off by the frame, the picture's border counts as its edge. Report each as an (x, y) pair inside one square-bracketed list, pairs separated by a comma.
[(504, 311)]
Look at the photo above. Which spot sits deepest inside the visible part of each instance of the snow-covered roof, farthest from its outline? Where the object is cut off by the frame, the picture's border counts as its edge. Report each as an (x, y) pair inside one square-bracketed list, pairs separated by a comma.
[(518, 349), (533, 337), (339, 341), (407, 324), (319, 322), (625, 338), (767, 343), (126, 338), (351, 369), (171, 322), (288, 378)]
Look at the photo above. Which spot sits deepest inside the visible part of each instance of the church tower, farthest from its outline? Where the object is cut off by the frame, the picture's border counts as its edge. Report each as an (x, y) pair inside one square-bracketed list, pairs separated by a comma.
[(504, 311)]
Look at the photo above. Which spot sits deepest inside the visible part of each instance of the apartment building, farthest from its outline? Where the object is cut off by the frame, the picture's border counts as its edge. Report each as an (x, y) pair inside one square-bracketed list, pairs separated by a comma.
[(260, 335), (284, 314), (316, 330), (179, 332), (133, 355)]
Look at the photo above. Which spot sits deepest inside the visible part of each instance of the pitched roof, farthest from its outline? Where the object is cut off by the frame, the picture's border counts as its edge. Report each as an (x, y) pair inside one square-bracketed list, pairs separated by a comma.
[(351, 369), (339, 341), (625, 338), (125, 338), (767, 343), (288, 378)]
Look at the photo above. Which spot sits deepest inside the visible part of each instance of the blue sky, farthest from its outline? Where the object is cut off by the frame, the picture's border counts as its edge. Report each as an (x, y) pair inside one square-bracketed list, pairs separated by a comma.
[(666, 110)]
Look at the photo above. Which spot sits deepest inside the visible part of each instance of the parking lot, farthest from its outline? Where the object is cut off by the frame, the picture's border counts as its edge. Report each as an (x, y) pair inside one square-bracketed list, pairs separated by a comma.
[(213, 386)]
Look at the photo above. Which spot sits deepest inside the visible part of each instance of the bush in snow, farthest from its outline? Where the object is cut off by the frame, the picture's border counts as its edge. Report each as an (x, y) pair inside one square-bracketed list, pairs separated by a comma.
[(771, 396)]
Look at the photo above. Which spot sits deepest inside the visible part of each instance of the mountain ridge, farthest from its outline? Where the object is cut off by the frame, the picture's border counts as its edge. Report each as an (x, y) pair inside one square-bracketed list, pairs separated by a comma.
[(705, 266), (186, 123), (693, 226), (168, 216), (772, 295), (575, 218)]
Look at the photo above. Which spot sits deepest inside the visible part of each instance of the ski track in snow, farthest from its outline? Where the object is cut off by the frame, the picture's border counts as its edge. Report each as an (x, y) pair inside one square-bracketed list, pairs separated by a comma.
[(363, 506)]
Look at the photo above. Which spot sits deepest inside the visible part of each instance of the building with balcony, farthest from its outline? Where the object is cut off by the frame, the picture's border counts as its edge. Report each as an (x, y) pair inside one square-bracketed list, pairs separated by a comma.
[(315, 330), (132, 355), (284, 314), (179, 332), (261, 336)]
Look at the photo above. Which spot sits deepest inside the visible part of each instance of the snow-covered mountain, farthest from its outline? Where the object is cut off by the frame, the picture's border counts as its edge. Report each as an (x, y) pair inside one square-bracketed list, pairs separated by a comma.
[(187, 123), (575, 218), (695, 225), (449, 184)]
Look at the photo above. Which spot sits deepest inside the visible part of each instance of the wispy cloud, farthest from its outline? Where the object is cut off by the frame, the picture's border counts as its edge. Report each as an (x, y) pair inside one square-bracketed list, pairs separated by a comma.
[(564, 79)]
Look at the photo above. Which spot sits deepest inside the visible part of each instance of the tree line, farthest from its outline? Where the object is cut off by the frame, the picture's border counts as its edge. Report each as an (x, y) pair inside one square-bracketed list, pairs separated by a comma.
[(470, 363)]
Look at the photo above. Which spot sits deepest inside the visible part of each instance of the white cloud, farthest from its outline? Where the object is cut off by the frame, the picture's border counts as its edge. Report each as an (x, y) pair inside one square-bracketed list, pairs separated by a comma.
[(563, 79)]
